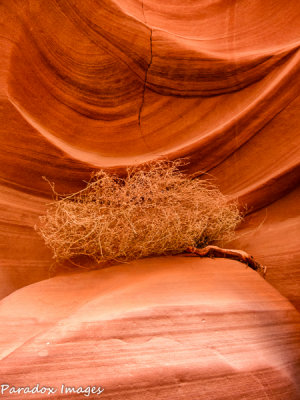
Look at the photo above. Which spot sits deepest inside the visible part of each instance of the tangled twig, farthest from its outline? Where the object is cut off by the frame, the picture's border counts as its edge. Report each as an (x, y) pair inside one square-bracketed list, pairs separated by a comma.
[(154, 210)]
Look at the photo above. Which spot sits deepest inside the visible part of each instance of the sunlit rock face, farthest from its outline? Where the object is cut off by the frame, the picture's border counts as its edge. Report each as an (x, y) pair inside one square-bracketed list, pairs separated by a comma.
[(109, 84), (160, 328)]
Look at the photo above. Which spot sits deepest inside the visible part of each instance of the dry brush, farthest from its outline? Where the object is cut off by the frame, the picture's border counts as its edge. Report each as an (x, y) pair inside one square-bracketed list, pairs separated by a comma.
[(156, 210)]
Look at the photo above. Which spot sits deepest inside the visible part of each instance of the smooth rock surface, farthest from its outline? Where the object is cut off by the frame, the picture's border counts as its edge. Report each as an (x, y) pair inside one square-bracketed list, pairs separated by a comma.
[(169, 327)]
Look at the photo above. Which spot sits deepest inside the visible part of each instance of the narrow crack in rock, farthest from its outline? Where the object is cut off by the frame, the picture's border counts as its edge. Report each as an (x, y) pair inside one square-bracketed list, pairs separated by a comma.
[(144, 90)]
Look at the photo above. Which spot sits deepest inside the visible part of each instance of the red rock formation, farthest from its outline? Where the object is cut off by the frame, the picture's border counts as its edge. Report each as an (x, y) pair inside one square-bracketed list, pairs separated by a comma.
[(132, 81), (89, 84), (161, 328)]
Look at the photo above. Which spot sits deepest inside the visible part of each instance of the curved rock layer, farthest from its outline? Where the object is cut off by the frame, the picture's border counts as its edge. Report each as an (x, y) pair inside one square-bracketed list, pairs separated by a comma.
[(109, 84), (112, 83), (163, 328)]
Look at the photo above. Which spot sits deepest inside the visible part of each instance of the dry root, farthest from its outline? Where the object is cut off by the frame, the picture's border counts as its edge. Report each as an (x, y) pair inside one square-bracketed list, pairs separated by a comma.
[(239, 255), (153, 211)]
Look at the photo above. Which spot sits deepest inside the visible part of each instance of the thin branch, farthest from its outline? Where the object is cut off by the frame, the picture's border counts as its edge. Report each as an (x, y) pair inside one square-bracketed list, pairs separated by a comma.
[(238, 255)]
